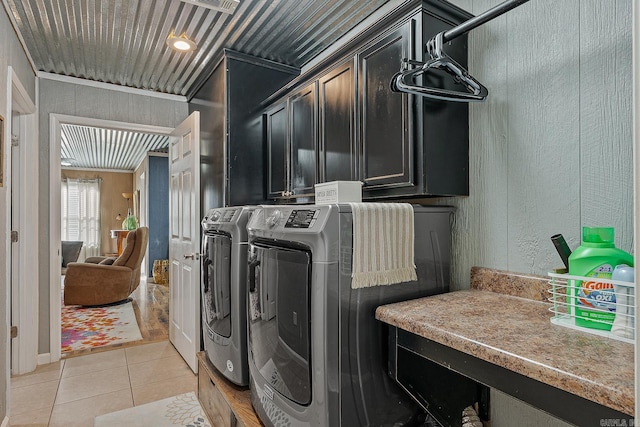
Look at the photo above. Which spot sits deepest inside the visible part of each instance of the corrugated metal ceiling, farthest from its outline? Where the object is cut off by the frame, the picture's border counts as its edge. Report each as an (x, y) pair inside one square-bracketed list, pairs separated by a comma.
[(123, 41), (98, 148)]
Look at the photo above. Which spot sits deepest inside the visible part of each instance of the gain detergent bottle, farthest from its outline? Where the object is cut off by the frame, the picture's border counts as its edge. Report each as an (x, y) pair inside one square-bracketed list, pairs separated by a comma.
[(592, 302)]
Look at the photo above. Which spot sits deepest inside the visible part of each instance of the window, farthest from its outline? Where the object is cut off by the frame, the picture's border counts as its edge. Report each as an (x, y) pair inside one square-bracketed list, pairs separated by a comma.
[(81, 213)]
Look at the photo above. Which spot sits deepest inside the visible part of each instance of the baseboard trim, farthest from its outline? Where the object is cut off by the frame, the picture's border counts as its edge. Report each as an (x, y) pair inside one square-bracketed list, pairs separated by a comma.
[(43, 359), (5, 422)]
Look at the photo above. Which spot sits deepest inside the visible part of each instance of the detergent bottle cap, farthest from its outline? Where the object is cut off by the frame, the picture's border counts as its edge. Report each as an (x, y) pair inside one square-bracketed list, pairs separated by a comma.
[(600, 236)]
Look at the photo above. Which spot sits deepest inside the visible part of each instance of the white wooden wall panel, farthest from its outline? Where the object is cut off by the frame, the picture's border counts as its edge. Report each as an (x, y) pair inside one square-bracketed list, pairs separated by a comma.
[(606, 157)]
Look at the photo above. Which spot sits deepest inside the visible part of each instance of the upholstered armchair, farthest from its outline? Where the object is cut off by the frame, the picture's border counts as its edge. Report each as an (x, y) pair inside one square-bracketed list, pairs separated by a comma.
[(107, 280), (70, 253)]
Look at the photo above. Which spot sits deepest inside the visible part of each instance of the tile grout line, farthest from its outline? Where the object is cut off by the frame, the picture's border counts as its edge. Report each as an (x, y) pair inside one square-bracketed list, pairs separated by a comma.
[(126, 359), (64, 366)]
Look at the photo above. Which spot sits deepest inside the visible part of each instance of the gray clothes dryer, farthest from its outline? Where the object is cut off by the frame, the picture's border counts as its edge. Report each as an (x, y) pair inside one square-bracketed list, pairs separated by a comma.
[(317, 355), (223, 287)]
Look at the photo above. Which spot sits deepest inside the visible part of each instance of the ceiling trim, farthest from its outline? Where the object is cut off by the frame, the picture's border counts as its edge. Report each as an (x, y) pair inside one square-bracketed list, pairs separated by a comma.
[(111, 124), (64, 168), (14, 24), (109, 86)]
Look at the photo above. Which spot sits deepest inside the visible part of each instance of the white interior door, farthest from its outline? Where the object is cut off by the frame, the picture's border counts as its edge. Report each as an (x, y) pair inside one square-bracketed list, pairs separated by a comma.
[(184, 232), (22, 141)]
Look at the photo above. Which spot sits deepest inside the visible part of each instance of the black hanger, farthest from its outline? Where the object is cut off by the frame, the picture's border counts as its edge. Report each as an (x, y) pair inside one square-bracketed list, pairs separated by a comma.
[(405, 80)]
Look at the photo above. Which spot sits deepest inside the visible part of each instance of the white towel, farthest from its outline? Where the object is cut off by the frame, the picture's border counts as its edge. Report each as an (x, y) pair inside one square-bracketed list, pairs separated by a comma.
[(383, 243)]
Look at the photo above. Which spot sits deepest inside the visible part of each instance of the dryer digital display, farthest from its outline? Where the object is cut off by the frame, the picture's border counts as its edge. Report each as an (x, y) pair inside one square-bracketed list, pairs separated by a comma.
[(302, 218)]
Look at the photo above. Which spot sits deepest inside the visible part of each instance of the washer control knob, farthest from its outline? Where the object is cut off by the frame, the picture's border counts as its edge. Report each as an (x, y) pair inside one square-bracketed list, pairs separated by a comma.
[(215, 216), (273, 219)]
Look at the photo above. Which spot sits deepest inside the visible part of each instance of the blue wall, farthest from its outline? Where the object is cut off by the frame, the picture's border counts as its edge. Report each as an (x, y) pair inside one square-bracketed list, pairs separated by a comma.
[(158, 209)]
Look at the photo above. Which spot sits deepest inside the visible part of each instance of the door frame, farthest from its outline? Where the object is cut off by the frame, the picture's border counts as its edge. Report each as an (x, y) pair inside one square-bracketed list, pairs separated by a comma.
[(22, 298), (55, 170)]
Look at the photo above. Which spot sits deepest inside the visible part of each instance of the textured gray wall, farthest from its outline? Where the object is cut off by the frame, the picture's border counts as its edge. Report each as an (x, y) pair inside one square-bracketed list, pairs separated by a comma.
[(84, 101), (11, 54), (551, 148)]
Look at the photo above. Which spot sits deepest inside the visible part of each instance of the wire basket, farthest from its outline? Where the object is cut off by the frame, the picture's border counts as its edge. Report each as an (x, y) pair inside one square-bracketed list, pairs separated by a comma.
[(599, 306)]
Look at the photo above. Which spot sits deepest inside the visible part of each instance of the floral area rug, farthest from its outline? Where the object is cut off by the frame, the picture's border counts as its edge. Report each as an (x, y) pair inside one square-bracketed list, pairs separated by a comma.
[(178, 411), (88, 327)]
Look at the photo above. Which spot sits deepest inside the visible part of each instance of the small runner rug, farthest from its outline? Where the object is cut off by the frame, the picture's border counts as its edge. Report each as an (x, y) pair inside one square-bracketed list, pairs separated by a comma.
[(88, 327), (178, 411)]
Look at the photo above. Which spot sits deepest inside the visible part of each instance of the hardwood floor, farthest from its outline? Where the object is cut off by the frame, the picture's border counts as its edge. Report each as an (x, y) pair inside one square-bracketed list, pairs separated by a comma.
[(151, 306)]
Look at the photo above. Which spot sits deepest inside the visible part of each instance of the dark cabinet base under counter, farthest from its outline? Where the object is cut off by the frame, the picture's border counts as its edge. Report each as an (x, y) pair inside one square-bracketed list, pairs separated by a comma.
[(413, 355), (509, 344)]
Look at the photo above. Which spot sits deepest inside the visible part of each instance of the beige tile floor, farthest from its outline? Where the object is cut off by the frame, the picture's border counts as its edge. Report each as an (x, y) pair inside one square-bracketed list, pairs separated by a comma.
[(72, 392)]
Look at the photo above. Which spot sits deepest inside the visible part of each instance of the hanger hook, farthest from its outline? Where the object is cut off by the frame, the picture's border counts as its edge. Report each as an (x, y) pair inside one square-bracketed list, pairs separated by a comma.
[(434, 46)]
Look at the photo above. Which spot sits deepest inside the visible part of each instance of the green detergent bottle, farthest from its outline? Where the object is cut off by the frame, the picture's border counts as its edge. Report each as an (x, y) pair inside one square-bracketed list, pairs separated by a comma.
[(592, 302)]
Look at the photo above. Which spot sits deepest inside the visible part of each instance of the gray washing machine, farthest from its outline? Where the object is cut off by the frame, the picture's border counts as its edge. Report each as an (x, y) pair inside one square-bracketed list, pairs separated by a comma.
[(223, 287), (317, 355)]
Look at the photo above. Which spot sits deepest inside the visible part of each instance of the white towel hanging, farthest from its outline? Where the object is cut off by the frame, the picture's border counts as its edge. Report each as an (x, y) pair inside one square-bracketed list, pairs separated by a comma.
[(383, 244)]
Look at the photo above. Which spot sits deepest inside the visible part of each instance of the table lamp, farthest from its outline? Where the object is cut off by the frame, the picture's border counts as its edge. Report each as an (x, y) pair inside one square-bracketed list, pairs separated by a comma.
[(130, 222)]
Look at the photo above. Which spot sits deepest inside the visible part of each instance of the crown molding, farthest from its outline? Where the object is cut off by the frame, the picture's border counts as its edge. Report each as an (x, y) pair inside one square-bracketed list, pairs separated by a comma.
[(109, 86)]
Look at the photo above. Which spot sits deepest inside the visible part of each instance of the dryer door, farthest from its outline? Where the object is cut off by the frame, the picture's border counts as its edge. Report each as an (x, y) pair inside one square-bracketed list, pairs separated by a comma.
[(216, 283), (279, 327)]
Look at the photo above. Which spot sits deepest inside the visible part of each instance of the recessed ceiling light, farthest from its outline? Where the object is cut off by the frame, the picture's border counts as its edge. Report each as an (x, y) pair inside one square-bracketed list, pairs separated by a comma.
[(181, 42), (225, 6)]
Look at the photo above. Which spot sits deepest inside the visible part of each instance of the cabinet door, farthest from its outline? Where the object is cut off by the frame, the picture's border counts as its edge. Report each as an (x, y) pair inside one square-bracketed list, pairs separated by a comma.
[(303, 121), (387, 154), (276, 118), (337, 132)]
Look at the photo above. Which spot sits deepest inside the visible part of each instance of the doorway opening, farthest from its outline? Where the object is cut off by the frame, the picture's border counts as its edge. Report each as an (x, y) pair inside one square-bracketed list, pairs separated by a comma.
[(78, 140)]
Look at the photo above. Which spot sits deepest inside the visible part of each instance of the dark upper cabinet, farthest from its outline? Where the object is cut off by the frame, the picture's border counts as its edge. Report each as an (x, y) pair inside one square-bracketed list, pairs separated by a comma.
[(387, 150), (411, 145), (277, 144), (337, 145), (303, 141), (232, 151), (398, 145)]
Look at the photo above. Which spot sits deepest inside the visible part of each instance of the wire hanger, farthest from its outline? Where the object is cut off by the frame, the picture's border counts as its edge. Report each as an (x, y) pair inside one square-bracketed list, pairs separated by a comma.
[(405, 80)]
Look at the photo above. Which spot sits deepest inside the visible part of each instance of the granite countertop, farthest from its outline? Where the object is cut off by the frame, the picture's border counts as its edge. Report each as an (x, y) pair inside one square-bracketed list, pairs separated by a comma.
[(515, 332)]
